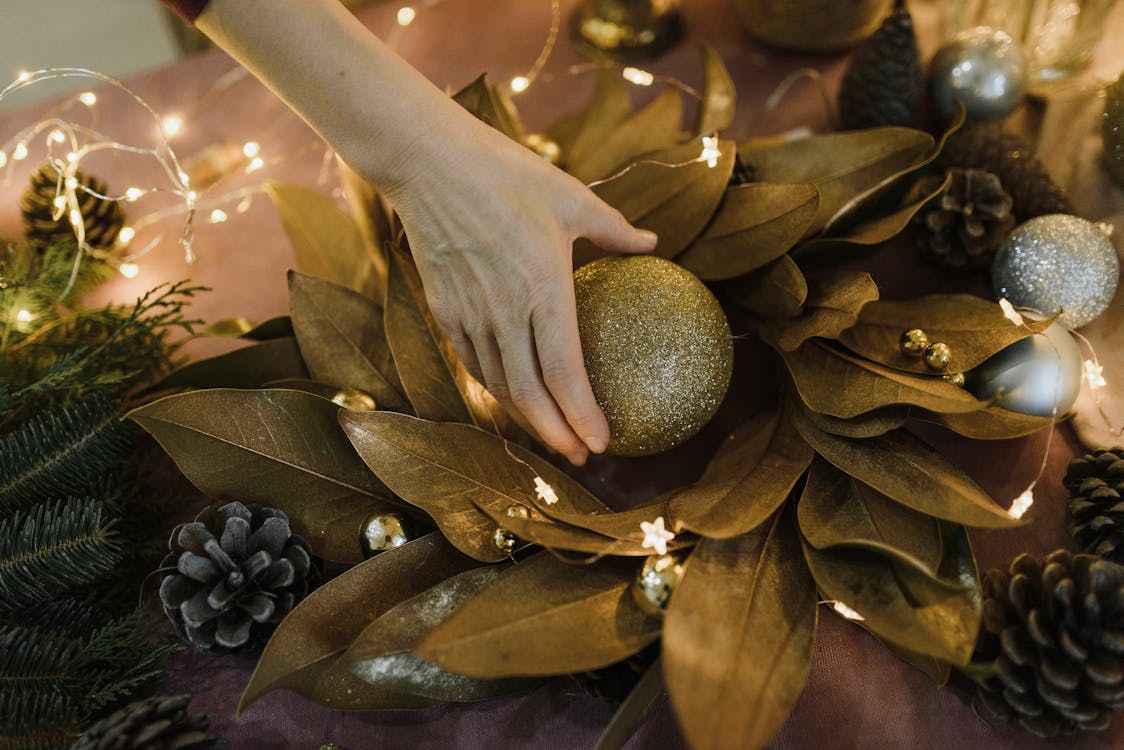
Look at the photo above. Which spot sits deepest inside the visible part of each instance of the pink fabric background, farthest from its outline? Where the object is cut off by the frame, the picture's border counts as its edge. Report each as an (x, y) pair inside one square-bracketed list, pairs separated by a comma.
[(858, 695)]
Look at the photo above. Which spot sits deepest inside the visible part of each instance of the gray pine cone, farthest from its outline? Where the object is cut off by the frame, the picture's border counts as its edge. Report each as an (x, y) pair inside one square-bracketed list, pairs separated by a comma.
[(1095, 483), (883, 84), (1054, 632), (239, 571), (159, 723)]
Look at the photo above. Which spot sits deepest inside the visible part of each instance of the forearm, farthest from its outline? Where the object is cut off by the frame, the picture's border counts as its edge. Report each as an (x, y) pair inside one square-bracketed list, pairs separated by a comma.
[(365, 101)]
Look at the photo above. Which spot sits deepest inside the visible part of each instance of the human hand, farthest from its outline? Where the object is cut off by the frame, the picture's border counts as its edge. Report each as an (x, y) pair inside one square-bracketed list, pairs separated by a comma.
[(491, 226)]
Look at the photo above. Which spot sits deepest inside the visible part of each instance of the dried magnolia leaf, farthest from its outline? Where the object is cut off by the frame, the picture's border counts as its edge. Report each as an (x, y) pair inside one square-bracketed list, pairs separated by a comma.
[(248, 367), (273, 328), (842, 165), (876, 230), (325, 239), (381, 654), (757, 223), (544, 617), (675, 202), (635, 709), (907, 470), (992, 423), (719, 100), (274, 447), (973, 328), (839, 385), (776, 290), (584, 131), (372, 221), (656, 126), (341, 338), (447, 469), (737, 643), (323, 390), (834, 511), (747, 480), (303, 653), (871, 424), (832, 306), (489, 105)]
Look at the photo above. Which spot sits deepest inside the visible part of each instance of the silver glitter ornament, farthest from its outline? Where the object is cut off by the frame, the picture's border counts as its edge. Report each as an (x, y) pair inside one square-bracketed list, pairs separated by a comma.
[(1058, 262), (983, 68), (656, 582), (657, 348), (1039, 375), (382, 531)]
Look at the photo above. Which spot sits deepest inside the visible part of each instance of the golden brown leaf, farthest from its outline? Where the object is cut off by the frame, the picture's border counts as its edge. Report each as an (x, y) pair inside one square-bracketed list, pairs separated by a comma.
[(489, 105), (737, 644), (341, 338), (675, 202), (608, 107), (747, 480), (992, 423), (832, 306), (248, 367), (325, 239), (832, 382), (655, 127), (757, 223), (544, 617), (719, 100), (776, 290), (870, 424), (303, 653), (447, 469), (371, 219), (973, 328), (842, 165), (901, 466)]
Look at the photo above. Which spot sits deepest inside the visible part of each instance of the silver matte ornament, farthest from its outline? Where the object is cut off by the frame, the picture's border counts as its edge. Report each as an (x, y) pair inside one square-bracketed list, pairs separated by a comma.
[(983, 68), (1039, 375), (1058, 262)]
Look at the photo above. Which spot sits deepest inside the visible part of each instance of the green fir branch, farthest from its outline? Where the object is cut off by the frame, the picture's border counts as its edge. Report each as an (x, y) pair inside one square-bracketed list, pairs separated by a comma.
[(36, 721)]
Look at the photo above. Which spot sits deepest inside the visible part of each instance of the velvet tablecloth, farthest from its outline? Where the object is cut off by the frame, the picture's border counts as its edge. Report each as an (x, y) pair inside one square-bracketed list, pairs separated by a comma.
[(858, 695)]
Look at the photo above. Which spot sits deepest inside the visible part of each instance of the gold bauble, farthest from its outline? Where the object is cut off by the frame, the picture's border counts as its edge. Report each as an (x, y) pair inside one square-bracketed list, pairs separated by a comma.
[(505, 541), (354, 399), (657, 348), (913, 342), (937, 356), (656, 582), (382, 531)]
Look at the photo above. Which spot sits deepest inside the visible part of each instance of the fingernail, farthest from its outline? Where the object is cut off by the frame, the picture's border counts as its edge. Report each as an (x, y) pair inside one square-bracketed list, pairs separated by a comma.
[(650, 237), (595, 444)]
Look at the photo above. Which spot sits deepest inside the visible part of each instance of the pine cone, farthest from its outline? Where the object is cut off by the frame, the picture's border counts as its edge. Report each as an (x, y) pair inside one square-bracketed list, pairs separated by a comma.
[(964, 226), (1095, 483), (240, 570), (1055, 634), (1112, 129), (988, 146), (102, 218), (160, 723), (883, 84)]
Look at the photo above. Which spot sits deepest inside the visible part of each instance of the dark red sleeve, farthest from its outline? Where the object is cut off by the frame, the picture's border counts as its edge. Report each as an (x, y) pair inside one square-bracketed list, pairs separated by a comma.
[(189, 10)]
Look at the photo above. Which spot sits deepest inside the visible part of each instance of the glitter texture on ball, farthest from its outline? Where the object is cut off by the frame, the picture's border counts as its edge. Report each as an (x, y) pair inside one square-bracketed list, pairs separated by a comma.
[(1058, 262), (657, 348)]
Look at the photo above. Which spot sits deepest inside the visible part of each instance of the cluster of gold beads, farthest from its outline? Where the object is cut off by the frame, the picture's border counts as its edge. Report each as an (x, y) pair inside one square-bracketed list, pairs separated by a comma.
[(936, 355)]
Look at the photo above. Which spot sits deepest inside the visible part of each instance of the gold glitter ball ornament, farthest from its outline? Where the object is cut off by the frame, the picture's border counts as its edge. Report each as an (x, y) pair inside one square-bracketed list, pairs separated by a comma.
[(656, 582), (382, 531), (1112, 129), (937, 356), (657, 348), (913, 342)]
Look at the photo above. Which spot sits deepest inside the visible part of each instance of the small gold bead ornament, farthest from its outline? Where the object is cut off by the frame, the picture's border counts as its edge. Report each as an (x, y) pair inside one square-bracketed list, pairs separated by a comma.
[(505, 541), (656, 582), (382, 531), (354, 399), (913, 342), (937, 356), (956, 378)]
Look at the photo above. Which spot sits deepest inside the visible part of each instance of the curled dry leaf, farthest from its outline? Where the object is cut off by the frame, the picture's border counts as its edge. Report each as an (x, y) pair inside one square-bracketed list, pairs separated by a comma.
[(488, 104), (578, 133), (656, 126), (381, 654), (871, 424), (341, 339), (834, 383), (303, 653), (842, 165), (675, 202), (325, 239), (735, 663), (747, 480), (973, 328), (992, 423), (279, 448), (832, 306), (757, 223), (544, 617), (248, 367), (776, 290), (447, 469), (719, 99), (904, 468), (371, 219)]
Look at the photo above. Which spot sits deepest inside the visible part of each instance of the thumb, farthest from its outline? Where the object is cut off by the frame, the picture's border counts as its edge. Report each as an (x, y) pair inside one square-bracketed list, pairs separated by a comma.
[(607, 228)]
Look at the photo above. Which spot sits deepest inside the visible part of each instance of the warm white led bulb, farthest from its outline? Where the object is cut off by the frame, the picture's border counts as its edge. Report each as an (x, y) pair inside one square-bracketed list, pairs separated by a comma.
[(19, 153), (88, 98), (133, 193), (24, 316), (406, 15), (520, 84), (218, 216), (638, 76), (125, 236), (250, 149), (75, 217), (255, 164), (3, 158), (57, 136), (129, 270), (171, 125), (60, 201), (23, 76)]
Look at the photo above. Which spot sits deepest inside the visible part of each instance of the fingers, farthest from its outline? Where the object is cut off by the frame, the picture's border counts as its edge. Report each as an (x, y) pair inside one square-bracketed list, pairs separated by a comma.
[(607, 228)]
